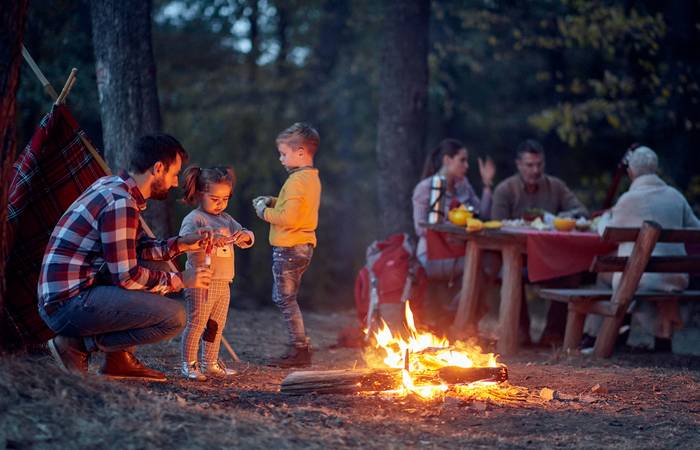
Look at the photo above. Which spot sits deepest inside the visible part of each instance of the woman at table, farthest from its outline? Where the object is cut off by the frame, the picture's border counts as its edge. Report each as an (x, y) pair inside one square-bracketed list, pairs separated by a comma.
[(451, 160)]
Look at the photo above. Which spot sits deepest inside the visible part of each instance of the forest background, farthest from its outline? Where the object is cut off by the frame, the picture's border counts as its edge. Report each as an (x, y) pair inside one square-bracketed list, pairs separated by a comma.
[(585, 78)]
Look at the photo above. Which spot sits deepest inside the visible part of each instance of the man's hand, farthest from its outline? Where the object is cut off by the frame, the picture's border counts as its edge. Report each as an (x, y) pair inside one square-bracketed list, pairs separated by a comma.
[(198, 240), (197, 277)]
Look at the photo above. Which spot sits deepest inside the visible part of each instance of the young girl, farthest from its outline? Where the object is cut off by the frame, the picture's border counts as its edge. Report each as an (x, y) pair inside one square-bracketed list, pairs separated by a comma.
[(210, 190)]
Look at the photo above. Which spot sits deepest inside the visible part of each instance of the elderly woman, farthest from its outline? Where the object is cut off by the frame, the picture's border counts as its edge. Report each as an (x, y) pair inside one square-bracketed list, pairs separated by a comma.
[(451, 160), (650, 198)]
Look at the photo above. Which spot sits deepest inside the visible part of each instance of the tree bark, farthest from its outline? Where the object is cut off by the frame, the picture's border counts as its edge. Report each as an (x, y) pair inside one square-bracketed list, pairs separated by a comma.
[(126, 83), (402, 109), (12, 23)]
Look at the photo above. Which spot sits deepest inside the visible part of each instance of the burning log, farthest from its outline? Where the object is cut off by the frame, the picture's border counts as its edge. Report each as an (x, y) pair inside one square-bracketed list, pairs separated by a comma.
[(372, 380), (460, 375)]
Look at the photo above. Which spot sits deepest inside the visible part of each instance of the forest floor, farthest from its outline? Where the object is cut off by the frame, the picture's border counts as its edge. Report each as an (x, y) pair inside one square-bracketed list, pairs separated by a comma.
[(653, 401)]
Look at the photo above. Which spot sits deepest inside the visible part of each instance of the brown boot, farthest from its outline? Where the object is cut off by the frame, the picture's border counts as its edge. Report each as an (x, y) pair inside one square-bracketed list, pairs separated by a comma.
[(124, 365), (295, 357), (70, 354)]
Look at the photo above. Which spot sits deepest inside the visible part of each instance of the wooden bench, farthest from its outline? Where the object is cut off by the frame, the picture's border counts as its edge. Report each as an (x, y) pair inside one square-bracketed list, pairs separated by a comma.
[(613, 304)]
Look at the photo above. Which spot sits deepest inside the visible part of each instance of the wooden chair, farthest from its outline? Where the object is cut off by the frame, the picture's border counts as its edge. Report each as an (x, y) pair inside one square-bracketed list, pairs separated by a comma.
[(613, 304)]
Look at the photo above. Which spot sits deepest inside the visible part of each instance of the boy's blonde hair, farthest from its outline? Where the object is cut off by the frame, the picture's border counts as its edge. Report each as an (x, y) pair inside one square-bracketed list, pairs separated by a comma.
[(300, 134)]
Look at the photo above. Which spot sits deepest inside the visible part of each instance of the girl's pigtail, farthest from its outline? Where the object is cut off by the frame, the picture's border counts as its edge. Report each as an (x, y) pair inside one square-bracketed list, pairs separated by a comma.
[(190, 188), (231, 175), (431, 164)]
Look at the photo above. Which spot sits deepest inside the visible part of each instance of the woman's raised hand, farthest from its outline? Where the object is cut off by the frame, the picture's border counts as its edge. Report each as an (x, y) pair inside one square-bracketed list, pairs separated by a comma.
[(487, 170)]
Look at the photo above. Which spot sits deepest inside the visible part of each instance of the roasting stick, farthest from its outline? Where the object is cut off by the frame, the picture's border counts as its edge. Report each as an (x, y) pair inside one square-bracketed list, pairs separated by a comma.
[(70, 82)]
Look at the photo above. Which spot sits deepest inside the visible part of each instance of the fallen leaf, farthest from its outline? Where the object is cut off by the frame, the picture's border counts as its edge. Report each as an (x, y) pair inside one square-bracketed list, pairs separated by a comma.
[(547, 394), (598, 389)]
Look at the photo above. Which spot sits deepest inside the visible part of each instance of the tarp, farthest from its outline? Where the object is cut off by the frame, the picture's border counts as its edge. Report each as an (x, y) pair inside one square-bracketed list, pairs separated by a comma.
[(50, 173)]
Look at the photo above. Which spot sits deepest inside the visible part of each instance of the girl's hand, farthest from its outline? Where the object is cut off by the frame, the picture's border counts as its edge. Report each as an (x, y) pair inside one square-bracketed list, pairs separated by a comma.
[(239, 237), (487, 170)]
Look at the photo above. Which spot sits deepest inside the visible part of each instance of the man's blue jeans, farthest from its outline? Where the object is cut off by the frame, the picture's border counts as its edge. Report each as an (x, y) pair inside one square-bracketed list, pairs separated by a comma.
[(288, 265), (110, 318)]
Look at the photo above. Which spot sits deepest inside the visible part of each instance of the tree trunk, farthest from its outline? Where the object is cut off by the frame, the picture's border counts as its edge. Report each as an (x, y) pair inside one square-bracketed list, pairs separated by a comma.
[(402, 109), (254, 53), (12, 21), (126, 83)]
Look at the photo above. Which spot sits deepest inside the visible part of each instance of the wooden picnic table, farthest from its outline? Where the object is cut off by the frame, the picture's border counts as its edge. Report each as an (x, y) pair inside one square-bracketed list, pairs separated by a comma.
[(513, 244)]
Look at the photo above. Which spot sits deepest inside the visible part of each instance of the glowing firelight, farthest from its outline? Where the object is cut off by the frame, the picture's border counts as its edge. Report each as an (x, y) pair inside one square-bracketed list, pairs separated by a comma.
[(426, 353)]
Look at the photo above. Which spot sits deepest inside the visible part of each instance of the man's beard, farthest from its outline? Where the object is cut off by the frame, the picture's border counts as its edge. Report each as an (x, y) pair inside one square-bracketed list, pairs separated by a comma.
[(158, 190)]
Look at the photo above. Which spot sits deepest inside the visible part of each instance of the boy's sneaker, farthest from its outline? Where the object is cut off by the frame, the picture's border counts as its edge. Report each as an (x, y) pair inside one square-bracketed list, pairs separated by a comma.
[(217, 369), (192, 371), (70, 354), (295, 357), (662, 345), (124, 365)]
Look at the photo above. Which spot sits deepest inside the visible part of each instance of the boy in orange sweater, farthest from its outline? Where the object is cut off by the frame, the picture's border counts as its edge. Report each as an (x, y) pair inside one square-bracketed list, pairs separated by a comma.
[(293, 218)]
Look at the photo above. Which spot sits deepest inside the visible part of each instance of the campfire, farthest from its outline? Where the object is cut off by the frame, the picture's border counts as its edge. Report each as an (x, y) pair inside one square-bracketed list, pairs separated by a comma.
[(407, 362)]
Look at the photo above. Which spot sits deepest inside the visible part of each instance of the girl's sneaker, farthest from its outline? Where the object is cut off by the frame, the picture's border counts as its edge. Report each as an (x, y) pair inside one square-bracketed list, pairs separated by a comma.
[(192, 371), (218, 369)]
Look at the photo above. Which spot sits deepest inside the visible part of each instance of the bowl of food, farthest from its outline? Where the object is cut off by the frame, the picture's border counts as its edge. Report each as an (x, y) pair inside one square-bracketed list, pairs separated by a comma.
[(583, 225), (564, 224), (459, 216)]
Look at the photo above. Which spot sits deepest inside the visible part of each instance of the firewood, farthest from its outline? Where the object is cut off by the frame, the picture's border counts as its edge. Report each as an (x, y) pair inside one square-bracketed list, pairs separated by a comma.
[(460, 375), (341, 381), (364, 380)]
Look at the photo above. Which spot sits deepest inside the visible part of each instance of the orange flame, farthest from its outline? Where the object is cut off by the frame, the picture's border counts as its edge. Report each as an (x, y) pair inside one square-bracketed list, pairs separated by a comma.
[(426, 352)]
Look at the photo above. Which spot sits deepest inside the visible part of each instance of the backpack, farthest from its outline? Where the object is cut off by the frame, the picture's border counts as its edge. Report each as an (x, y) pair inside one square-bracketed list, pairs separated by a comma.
[(391, 275)]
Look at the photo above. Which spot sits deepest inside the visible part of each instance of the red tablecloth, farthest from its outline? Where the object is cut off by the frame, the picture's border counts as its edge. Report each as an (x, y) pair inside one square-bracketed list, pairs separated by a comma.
[(550, 254), (554, 254)]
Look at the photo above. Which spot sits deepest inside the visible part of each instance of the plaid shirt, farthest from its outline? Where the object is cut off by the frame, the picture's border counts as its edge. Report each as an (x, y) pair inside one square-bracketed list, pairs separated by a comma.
[(102, 227)]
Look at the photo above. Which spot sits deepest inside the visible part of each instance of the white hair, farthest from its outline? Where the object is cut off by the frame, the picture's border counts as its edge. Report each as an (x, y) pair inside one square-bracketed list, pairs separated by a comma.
[(643, 161)]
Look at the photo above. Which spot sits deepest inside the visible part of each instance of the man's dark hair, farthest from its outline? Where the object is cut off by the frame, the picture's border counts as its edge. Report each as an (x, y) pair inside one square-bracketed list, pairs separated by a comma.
[(529, 146), (152, 148)]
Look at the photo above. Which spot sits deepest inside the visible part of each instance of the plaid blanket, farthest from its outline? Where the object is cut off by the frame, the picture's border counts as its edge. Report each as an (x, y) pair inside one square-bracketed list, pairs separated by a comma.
[(51, 172)]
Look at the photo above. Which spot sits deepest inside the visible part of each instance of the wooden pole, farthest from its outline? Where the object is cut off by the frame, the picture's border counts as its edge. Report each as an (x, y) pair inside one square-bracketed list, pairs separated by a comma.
[(67, 86), (37, 72)]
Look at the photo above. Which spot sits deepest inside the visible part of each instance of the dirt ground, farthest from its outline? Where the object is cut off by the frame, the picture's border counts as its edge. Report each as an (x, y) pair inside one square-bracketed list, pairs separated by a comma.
[(653, 401)]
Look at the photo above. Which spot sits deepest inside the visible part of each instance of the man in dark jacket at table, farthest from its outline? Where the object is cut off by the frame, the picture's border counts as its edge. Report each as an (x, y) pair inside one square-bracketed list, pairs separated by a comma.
[(531, 188)]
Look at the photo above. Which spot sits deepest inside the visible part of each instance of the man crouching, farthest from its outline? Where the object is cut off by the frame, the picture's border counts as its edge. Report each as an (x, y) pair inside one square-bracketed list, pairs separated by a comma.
[(93, 293)]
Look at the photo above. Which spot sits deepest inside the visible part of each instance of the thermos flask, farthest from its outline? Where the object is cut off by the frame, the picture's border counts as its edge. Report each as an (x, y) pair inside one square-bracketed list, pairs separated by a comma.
[(436, 212)]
